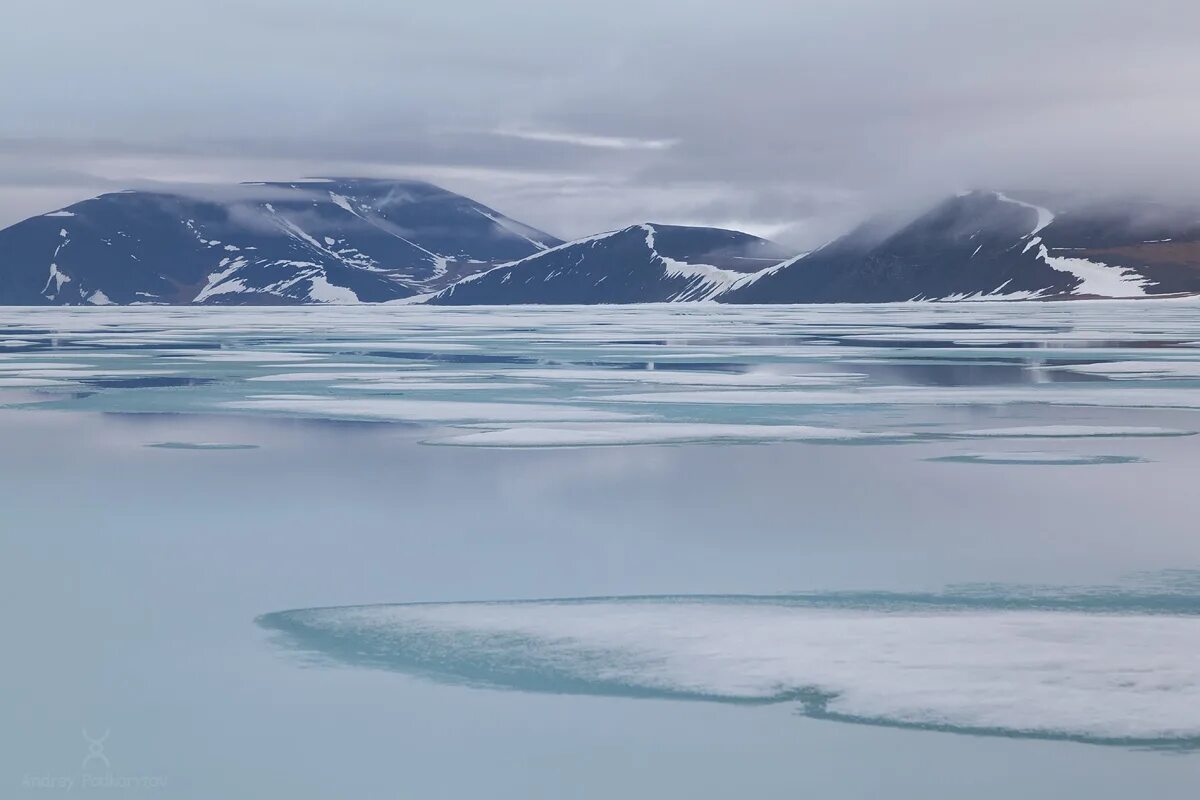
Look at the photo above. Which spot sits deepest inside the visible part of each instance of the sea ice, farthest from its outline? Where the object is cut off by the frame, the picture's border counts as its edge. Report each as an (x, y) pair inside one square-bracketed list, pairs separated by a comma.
[(640, 433), (1108, 677)]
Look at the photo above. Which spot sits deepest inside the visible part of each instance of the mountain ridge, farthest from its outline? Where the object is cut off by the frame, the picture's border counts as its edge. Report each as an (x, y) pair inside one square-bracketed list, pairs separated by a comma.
[(316, 240), (989, 245), (346, 240), (646, 262)]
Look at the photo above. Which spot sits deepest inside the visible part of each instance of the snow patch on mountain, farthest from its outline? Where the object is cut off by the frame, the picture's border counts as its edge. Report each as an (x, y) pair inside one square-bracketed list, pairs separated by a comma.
[(322, 291), (747, 279), (57, 276), (706, 280), (219, 283), (1095, 277), (515, 228), (1044, 215)]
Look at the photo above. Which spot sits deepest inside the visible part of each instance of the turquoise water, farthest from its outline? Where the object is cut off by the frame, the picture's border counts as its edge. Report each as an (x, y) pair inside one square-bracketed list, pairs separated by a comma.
[(775, 578)]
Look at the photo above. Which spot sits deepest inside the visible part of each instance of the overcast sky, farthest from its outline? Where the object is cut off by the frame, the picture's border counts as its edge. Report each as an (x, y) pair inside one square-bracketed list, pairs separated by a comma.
[(789, 118)]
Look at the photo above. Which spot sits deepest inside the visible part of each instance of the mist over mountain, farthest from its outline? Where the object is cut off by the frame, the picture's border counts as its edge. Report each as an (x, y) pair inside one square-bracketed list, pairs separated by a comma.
[(345, 240), (982, 244), (791, 121), (330, 240)]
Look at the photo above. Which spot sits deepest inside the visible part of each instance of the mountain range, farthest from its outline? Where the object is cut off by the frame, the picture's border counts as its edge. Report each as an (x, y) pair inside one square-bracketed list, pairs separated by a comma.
[(647, 263), (336, 240), (345, 240), (988, 245)]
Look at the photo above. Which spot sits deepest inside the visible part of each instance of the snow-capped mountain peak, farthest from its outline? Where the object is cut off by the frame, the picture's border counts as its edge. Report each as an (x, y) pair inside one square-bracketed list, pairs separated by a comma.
[(330, 240), (995, 245), (646, 262)]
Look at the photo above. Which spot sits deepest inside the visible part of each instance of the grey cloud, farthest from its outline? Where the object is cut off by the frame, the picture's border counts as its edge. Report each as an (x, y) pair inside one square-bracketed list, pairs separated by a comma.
[(798, 116), (588, 140)]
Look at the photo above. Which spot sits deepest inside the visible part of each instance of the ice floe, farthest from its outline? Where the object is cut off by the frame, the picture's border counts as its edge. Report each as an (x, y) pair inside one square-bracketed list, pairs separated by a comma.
[(1139, 370), (1045, 459), (1040, 394), (642, 433), (685, 378), (328, 377), (1117, 678), (404, 410), (1072, 432), (244, 355)]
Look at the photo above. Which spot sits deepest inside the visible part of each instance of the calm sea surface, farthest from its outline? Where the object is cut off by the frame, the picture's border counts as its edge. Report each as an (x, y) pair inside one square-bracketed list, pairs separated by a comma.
[(911, 551)]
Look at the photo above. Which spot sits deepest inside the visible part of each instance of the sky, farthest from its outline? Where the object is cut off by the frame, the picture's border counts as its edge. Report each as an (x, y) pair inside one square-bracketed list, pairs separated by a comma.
[(792, 119)]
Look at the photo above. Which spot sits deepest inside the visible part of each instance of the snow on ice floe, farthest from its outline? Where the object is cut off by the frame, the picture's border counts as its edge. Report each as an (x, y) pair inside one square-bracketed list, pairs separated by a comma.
[(330, 377), (644, 433), (58, 372), (338, 365), (1128, 678), (1038, 394), (406, 345), (440, 385), (758, 378), (1138, 370), (243, 355), (22, 382), (1005, 336), (9, 365), (1072, 432), (404, 410), (1045, 459)]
